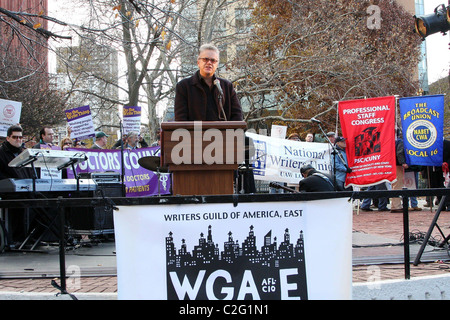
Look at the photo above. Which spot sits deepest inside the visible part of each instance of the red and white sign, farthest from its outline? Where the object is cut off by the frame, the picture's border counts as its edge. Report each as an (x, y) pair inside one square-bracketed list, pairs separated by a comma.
[(369, 127), (9, 115)]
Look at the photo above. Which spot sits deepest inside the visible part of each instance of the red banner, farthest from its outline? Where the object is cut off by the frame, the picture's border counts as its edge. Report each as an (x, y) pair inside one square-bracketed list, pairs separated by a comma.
[(369, 127)]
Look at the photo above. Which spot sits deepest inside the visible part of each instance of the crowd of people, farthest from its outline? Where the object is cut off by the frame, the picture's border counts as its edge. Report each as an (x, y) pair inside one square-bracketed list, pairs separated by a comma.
[(314, 181)]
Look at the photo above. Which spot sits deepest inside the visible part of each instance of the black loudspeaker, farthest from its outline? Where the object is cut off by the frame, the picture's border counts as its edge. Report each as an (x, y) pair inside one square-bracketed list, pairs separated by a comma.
[(96, 220)]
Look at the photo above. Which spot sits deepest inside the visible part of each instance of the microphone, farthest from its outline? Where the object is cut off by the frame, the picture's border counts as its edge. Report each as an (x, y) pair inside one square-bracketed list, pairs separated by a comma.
[(217, 84), (315, 120)]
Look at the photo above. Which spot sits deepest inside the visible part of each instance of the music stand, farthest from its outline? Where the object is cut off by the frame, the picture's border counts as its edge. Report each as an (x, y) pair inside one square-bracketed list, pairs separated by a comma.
[(430, 229), (42, 158), (244, 180)]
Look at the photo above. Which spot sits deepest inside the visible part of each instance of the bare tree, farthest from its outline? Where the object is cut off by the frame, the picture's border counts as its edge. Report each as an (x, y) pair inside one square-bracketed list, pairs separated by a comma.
[(305, 55), (23, 67), (154, 38)]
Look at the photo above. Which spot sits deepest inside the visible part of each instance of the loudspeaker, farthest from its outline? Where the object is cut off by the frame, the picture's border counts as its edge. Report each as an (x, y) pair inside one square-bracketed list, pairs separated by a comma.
[(97, 220)]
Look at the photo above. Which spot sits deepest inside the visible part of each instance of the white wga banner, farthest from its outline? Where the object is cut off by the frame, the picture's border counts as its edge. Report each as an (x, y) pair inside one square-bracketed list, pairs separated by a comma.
[(280, 160), (254, 251)]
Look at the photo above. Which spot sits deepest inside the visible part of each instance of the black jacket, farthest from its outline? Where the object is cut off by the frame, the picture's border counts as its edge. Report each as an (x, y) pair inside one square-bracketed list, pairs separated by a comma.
[(7, 153), (400, 158), (446, 155), (316, 182)]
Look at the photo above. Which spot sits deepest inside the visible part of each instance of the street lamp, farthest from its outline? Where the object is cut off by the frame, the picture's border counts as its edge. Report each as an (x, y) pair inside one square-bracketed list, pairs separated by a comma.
[(439, 21)]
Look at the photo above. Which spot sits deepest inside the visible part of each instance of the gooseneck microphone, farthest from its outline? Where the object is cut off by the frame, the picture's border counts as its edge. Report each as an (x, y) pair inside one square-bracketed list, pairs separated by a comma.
[(217, 84)]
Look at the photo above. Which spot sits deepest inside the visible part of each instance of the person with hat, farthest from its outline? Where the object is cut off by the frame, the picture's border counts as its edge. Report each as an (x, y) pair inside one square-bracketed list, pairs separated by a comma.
[(331, 136), (101, 139), (314, 181), (294, 136), (340, 168)]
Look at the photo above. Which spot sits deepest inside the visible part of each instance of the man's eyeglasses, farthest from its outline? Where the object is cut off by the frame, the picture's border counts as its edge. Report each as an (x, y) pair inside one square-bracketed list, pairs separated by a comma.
[(16, 137), (206, 60)]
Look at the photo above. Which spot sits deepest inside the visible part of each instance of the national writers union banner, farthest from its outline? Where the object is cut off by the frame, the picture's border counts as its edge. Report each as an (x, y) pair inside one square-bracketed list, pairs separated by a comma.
[(423, 125), (280, 160), (222, 251), (369, 127)]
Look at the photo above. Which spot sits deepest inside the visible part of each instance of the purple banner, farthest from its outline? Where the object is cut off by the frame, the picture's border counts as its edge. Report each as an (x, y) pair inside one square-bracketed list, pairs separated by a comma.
[(77, 113), (139, 182)]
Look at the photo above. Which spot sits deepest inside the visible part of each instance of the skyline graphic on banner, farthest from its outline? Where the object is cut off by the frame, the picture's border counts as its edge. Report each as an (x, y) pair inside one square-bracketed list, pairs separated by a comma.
[(274, 272)]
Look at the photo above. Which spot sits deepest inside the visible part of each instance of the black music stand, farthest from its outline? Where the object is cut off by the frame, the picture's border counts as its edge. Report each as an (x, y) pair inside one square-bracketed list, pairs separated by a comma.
[(442, 203), (244, 177)]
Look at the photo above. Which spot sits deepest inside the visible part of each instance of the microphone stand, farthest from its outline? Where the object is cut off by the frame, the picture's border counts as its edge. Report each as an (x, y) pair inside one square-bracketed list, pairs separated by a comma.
[(220, 100), (335, 152), (122, 157)]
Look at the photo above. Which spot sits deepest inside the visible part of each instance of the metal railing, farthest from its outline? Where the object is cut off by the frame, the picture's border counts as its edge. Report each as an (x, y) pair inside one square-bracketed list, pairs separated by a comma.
[(112, 202)]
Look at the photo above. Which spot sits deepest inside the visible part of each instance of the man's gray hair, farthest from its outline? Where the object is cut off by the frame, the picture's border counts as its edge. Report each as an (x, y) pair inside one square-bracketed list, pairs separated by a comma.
[(208, 46), (132, 133)]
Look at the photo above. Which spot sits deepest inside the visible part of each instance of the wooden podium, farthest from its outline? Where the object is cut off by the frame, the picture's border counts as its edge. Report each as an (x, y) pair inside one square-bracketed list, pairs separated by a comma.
[(202, 155)]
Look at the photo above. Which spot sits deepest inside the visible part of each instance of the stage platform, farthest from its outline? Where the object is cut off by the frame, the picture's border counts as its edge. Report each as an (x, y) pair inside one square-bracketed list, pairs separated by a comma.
[(376, 239), (99, 259)]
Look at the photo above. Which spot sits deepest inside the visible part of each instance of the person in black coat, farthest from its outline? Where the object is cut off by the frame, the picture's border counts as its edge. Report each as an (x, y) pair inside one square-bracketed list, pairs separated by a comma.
[(10, 149), (203, 96), (314, 181)]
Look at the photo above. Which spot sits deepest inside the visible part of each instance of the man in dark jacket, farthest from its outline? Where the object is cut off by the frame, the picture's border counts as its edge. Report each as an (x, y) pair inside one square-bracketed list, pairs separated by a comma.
[(205, 97), (45, 138), (10, 149), (314, 181)]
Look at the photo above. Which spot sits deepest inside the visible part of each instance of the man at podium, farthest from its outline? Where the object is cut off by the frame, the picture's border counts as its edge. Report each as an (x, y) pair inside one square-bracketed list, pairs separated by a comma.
[(205, 97)]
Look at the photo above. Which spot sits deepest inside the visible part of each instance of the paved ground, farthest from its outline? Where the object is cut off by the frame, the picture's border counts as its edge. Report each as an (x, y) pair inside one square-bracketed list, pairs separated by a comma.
[(385, 227), (390, 225)]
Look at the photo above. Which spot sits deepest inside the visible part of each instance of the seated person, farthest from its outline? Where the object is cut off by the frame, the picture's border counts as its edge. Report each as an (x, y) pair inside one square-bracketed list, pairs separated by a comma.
[(314, 181)]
